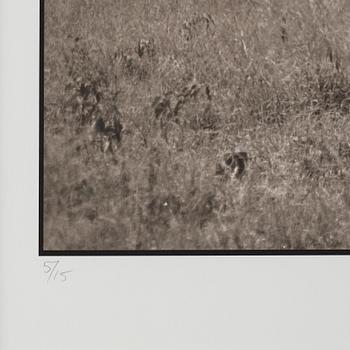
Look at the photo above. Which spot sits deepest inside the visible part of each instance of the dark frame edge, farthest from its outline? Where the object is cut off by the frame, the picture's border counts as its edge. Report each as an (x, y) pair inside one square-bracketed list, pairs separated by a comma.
[(41, 126), (213, 252)]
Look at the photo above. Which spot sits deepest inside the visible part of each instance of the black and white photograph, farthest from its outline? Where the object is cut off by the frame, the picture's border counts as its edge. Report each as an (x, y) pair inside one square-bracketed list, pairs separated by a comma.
[(174, 175), (195, 126)]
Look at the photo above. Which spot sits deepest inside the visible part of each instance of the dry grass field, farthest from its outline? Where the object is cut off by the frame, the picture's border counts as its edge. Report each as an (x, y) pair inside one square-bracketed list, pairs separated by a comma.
[(190, 80)]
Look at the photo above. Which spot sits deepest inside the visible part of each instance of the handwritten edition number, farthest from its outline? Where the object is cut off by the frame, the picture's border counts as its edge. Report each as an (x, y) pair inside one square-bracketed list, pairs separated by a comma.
[(53, 271)]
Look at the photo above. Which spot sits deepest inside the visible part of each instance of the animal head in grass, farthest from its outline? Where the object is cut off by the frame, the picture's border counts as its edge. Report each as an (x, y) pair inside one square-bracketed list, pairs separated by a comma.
[(98, 125), (233, 163), (107, 133)]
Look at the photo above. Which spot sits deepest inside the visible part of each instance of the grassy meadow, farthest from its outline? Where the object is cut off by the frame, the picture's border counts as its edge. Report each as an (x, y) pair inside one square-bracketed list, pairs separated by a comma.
[(272, 76)]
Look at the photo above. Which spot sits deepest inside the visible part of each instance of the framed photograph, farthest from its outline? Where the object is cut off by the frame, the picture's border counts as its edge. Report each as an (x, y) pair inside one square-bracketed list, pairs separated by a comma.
[(194, 127), (210, 139)]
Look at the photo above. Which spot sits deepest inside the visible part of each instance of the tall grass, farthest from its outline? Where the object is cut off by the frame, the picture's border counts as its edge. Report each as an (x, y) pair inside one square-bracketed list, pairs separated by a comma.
[(278, 76)]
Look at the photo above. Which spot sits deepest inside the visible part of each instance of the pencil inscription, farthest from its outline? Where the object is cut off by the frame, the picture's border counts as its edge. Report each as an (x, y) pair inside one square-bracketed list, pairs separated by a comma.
[(54, 272)]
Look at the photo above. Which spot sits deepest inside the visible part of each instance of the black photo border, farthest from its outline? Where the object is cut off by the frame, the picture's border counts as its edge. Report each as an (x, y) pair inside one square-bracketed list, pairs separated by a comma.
[(211, 252)]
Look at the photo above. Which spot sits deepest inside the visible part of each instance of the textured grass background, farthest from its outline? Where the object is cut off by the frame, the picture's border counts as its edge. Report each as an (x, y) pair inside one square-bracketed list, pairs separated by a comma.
[(278, 73)]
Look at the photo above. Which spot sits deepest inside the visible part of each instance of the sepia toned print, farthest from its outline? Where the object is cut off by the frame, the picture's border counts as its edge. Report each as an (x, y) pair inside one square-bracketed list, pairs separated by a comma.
[(196, 125)]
